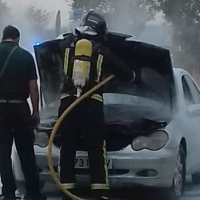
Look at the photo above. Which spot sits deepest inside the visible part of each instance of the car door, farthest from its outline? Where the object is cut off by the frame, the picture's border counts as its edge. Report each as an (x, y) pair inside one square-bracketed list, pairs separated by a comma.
[(192, 101)]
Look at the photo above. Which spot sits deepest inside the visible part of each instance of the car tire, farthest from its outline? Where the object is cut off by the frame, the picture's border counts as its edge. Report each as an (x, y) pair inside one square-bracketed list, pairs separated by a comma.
[(176, 191), (196, 178)]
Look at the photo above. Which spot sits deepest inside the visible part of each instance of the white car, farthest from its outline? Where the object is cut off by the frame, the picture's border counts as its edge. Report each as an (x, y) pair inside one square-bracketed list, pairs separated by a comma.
[(160, 159), (153, 129)]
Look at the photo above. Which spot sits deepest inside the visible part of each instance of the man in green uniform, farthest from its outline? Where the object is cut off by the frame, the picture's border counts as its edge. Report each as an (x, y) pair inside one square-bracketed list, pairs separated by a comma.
[(18, 81)]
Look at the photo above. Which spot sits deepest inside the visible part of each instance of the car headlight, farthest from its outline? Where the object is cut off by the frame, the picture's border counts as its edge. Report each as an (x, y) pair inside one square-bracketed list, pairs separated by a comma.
[(41, 139), (154, 142)]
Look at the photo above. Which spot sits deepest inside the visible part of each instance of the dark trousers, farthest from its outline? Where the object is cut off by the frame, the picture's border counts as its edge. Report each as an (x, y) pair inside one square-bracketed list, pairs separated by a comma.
[(15, 124), (86, 120)]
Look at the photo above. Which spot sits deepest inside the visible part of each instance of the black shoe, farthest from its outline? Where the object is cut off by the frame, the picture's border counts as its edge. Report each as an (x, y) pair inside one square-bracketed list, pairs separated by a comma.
[(65, 197), (34, 196), (103, 198), (11, 197), (41, 185)]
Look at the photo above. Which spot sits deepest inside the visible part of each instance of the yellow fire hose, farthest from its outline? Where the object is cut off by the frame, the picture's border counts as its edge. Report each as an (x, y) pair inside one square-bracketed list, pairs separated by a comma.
[(57, 125)]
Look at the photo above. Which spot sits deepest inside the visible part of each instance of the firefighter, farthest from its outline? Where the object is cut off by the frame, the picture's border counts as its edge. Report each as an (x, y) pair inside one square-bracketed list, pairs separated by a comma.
[(86, 61)]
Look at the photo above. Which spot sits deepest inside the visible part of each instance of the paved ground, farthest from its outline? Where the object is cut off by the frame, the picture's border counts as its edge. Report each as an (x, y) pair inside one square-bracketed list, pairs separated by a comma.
[(192, 192)]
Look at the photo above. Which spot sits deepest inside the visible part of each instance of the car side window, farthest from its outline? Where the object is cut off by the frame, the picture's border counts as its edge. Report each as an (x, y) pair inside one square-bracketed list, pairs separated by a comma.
[(187, 93), (194, 90)]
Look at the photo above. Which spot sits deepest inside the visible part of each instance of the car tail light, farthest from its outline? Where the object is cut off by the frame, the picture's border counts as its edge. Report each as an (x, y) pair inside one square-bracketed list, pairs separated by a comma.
[(154, 142)]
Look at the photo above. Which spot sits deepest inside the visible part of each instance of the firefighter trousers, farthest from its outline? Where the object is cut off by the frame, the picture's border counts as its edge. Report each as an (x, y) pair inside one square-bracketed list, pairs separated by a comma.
[(86, 120), (15, 124)]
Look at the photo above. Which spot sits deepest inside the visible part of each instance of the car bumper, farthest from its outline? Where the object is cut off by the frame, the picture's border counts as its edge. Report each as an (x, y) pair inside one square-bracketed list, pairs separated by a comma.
[(144, 168)]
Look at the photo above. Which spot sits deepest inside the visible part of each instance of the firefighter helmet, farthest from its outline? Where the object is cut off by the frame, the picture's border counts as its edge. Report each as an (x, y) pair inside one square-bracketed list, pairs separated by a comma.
[(93, 24)]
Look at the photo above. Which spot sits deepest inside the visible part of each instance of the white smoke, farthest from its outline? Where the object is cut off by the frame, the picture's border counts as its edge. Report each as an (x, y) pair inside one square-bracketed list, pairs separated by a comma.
[(128, 16), (19, 18)]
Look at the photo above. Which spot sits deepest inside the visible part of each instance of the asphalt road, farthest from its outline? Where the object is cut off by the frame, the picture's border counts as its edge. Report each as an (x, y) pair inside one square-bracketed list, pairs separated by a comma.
[(192, 192)]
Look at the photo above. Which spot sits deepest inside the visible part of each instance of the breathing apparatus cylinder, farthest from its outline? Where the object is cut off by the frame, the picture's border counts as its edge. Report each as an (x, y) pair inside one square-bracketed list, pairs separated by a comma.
[(81, 64)]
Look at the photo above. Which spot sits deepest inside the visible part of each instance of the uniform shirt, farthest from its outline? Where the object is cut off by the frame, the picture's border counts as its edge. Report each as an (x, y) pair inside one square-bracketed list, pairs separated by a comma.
[(14, 84)]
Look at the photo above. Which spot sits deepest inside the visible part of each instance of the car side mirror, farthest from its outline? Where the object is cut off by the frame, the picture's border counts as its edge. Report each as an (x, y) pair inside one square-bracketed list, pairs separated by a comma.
[(194, 110)]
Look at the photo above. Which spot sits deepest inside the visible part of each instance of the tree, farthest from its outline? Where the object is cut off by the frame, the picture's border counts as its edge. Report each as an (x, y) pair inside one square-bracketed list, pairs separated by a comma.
[(90, 4), (130, 16), (34, 26), (4, 14), (134, 14), (38, 20), (185, 18), (183, 15)]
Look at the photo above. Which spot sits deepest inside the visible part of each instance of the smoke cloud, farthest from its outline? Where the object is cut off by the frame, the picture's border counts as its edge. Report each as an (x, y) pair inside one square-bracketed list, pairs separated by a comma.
[(126, 16), (129, 16), (26, 16)]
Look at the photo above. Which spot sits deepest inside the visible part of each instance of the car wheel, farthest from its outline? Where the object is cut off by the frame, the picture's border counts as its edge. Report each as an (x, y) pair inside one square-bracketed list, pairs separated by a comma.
[(176, 191), (196, 178)]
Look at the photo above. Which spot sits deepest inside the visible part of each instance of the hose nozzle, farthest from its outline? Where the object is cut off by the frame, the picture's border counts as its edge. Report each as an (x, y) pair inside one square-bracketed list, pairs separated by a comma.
[(79, 91)]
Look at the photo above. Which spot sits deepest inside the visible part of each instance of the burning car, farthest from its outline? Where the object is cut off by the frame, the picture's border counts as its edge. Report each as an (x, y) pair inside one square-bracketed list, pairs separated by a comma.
[(152, 126)]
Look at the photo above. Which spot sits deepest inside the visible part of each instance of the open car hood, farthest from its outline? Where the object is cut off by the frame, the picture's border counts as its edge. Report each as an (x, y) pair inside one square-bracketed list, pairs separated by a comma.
[(154, 62), (130, 109)]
